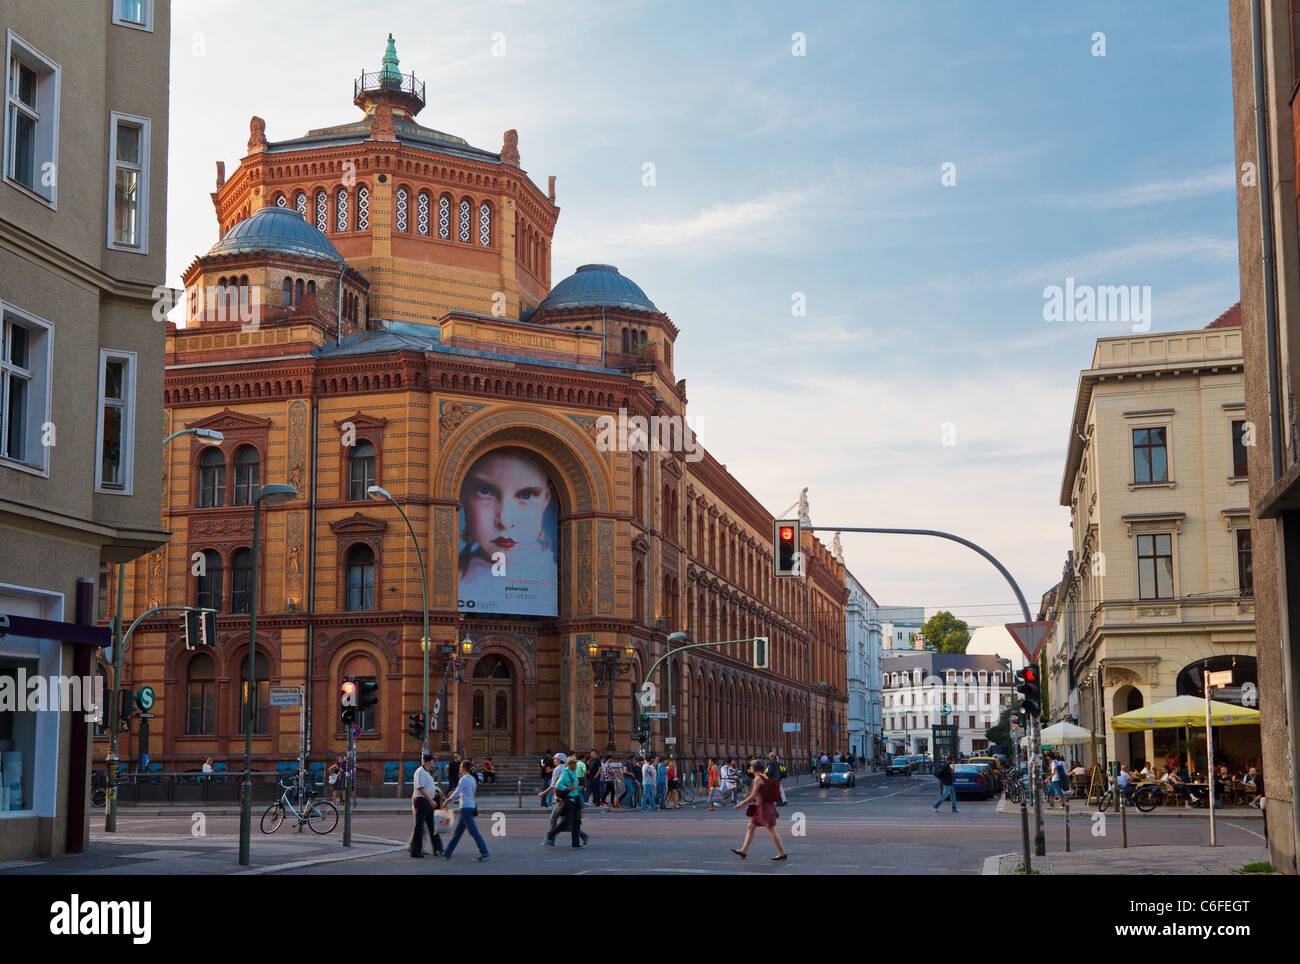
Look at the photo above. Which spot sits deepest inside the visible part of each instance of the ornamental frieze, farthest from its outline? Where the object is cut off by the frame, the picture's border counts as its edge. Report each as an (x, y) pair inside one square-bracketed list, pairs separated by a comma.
[(229, 527), (452, 414)]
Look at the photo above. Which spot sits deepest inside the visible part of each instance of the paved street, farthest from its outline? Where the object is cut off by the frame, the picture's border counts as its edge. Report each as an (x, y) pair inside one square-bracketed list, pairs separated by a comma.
[(883, 826)]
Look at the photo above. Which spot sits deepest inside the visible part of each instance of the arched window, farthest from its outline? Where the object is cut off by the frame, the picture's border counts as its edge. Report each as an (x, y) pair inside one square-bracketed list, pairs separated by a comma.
[(341, 209), (422, 215), (638, 494), (361, 470), (402, 201), (201, 696), (260, 705), (209, 585), (444, 217), (212, 479), (288, 291), (322, 211), (485, 224), (300, 204), (280, 201), (466, 233), (297, 292), (241, 580), (625, 344), (311, 287), (246, 476), (638, 602), (362, 669), (361, 578), (363, 208)]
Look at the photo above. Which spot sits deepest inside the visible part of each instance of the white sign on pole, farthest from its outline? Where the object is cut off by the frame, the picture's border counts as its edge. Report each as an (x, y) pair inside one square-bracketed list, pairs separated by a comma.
[(671, 740), (791, 727), (1223, 678), (284, 696), (656, 716), (1030, 637)]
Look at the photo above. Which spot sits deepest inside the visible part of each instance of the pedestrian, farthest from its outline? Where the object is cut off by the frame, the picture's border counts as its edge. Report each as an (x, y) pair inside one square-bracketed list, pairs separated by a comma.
[(728, 775), (672, 799), (549, 797), (595, 778), (424, 801), (760, 807), (943, 773), (714, 784), (610, 772), (207, 769), (774, 771), (569, 789), (489, 770), (1057, 781), (631, 782), (647, 785), (661, 781), (465, 792)]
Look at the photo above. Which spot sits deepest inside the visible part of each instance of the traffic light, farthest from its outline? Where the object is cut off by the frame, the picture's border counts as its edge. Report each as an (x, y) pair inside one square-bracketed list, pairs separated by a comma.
[(643, 733), (125, 708), (760, 653), (199, 627), (367, 694), (348, 701), (416, 727), (1027, 687), (785, 547)]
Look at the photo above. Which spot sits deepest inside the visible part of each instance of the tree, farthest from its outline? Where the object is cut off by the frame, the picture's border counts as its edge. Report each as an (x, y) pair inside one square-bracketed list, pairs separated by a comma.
[(1000, 733), (945, 633)]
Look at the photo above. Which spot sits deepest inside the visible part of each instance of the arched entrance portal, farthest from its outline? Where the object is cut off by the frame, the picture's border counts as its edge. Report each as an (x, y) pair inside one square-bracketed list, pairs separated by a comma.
[(493, 708)]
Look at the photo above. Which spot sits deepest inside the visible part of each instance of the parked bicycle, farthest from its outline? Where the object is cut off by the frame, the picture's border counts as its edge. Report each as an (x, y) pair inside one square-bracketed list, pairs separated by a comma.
[(320, 816), (1146, 797)]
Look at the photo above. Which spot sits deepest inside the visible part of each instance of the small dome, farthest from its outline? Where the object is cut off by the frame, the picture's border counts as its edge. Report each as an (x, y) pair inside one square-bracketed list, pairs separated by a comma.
[(276, 229), (593, 285)]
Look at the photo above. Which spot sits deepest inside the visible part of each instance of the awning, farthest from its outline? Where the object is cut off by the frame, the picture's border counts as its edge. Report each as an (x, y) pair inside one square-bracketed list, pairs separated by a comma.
[(1183, 711)]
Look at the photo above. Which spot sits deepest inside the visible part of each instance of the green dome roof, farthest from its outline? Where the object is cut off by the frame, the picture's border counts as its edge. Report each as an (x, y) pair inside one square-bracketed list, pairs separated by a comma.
[(277, 229)]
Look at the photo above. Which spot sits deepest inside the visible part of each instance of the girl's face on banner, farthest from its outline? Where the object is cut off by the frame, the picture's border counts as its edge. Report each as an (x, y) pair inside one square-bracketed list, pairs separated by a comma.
[(505, 496)]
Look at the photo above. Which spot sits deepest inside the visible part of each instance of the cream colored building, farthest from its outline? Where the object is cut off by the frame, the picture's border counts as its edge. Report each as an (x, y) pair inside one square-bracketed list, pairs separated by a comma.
[(82, 217), (1158, 580)]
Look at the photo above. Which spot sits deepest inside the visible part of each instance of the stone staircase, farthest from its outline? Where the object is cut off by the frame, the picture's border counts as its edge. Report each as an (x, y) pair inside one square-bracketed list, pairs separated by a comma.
[(510, 770)]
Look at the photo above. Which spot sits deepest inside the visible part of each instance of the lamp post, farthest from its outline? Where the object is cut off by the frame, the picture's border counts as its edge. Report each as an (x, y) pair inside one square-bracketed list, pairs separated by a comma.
[(209, 436), (375, 492), (270, 494), (610, 666)]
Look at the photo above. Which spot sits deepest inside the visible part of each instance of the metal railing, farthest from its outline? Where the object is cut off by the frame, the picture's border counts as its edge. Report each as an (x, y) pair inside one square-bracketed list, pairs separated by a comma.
[(378, 80)]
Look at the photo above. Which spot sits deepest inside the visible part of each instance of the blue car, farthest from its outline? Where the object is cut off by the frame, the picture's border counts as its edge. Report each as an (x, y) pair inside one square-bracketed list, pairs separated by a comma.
[(839, 775), (972, 780)]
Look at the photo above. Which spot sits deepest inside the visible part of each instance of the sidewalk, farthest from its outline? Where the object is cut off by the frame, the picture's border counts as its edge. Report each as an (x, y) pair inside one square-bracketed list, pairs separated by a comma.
[(1078, 810), (1155, 859)]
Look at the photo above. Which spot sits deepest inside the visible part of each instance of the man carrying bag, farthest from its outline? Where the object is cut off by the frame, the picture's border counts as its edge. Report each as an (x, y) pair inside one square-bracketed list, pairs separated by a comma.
[(424, 801)]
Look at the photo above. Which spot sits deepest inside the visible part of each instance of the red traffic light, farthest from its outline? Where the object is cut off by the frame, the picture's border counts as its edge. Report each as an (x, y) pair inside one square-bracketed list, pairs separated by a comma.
[(787, 533), (1031, 674), (349, 687)]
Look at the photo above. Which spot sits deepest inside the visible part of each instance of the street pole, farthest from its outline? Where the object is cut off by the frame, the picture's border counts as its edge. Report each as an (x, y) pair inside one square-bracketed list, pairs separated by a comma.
[(246, 786), (376, 492), (1035, 782), (1209, 754)]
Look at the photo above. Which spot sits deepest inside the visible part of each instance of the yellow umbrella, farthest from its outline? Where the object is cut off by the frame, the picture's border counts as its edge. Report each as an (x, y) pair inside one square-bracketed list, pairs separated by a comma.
[(1184, 711)]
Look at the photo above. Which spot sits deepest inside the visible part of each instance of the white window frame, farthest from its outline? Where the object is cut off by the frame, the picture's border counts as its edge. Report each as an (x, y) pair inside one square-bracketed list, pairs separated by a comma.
[(142, 231), (128, 423), (41, 468), (147, 26), (38, 61), (44, 769)]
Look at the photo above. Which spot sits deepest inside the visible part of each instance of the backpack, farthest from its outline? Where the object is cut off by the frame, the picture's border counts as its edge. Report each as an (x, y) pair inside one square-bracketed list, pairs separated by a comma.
[(942, 771)]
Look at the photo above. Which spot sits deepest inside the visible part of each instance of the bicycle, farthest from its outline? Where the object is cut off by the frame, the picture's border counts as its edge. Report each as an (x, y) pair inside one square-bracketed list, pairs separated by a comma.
[(320, 816), (685, 791), (1145, 798)]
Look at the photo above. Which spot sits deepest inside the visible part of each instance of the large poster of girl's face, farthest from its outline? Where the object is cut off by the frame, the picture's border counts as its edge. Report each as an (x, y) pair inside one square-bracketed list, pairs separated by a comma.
[(508, 523)]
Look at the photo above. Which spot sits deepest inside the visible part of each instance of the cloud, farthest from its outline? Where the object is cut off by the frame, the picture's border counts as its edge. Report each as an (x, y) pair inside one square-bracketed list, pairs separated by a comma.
[(1195, 185)]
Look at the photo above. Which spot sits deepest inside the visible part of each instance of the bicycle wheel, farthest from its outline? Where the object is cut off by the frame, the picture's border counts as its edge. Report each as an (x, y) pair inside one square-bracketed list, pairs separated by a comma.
[(272, 819), (322, 816), (686, 792), (1146, 800), (1104, 803), (98, 796)]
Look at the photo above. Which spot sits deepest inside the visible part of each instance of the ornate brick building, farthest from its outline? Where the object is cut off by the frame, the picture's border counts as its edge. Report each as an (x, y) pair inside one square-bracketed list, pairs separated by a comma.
[(378, 312)]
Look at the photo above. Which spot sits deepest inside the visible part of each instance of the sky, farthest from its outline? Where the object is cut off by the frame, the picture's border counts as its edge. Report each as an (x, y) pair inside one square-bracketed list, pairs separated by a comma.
[(912, 176)]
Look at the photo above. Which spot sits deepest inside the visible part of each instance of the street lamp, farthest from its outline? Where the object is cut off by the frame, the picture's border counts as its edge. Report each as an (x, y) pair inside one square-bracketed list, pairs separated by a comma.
[(375, 492), (610, 668), (209, 437), (270, 494)]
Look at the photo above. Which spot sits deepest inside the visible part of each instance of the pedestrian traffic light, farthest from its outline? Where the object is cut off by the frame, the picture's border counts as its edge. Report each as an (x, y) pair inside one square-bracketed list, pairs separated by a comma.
[(199, 627), (348, 701), (643, 733), (785, 548), (760, 652), (416, 727), (125, 708), (1027, 687)]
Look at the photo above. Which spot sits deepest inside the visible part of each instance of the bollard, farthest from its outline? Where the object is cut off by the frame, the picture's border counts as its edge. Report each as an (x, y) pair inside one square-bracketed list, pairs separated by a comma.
[(519, 789), (1024, 829), (1067, 825)]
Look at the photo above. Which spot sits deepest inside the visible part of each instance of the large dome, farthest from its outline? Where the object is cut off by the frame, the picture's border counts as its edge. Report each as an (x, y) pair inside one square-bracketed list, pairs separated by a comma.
[(276, 229), (596, 285)]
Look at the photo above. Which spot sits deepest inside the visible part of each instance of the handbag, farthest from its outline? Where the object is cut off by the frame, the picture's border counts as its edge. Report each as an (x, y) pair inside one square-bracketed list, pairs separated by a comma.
[(443, 820), (751, 809)]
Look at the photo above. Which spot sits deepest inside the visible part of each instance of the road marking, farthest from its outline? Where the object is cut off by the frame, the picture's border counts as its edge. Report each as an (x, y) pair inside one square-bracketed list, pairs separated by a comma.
[(312, 862), (1247, 829)]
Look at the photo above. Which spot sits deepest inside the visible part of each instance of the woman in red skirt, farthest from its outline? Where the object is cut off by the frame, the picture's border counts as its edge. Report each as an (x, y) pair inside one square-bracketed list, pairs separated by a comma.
[(760, 807)]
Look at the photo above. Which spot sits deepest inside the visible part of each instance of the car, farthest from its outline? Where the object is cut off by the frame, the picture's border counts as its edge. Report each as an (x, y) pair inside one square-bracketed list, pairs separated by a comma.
[(898, 766), (995, 769), (972, 780), (839, 775)]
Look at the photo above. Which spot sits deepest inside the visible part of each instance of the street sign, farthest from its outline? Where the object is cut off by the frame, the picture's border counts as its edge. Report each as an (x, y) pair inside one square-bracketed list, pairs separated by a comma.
[(670, 740), (656, 716), (945, 710), (791, 727), (145, 698), (1223, 678), (1030, 637), (1226, 693), (284, 696)]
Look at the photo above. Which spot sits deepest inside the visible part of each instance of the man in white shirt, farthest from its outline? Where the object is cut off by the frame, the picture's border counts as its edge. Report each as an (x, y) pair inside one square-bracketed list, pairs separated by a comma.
[(465, 792), (424, 802), (648, 777)]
